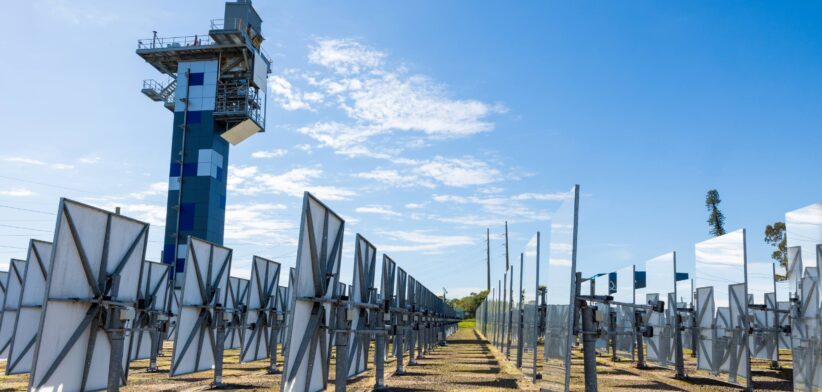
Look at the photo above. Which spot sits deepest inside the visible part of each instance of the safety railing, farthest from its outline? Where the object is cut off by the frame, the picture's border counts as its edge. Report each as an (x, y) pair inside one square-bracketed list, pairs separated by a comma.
[(174, 42), (240, 100)]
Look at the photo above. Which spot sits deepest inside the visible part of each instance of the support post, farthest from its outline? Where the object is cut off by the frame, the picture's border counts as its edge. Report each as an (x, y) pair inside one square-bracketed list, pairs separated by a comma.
[(398, 344), (488, 279), (412, 338), (520, 338), (504, 312), (694, 334), (219, 315), (341, 347), (510, 309), (116, 336), (155, 343), (640, 361), (379, 361), (589, 348), (679, 357), (612, 331), (273, 340)]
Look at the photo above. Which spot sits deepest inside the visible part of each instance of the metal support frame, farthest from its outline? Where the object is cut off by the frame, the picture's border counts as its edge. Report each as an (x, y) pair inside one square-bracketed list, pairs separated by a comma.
[(590, 334), (106, 311)]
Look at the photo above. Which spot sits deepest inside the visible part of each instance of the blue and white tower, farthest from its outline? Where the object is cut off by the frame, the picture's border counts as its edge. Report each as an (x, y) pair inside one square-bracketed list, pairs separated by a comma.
[(216, 89)]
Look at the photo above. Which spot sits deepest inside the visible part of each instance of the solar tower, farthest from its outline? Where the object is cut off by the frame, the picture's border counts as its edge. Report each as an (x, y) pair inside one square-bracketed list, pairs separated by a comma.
[(216, 88)]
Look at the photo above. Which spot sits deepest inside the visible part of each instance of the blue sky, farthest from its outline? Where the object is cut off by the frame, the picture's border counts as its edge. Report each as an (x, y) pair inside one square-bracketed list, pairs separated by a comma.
[(424, 123)]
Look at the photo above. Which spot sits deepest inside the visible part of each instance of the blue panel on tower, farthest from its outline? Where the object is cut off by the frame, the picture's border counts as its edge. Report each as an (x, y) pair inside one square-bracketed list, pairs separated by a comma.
[(190, 169), (195, 79), (175, 170), (222, 201), (219, 173), (168, 253), (194, 117), (187, 216)]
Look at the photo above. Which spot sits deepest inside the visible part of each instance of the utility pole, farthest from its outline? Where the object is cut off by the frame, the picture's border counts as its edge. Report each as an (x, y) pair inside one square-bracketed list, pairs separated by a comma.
[(506, 344), (488, 277), (504, 309)]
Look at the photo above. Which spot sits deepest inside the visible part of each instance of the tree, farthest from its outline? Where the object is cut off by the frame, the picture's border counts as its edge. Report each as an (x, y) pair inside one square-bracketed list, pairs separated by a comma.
[(469, 303), (716, 220), (775, 236)]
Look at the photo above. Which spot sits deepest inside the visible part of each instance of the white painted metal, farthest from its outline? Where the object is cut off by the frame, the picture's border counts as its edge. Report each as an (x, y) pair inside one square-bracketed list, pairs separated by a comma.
[(262, 302), (96, 263), (317, 272), (365, 260), (205, 286), (27, 323), (11, 304), (153, 292)]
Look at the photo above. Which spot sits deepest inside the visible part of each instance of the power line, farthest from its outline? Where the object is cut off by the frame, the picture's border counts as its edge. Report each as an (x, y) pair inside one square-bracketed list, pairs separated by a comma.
[(25, 228), (27, 209), (49, 185)]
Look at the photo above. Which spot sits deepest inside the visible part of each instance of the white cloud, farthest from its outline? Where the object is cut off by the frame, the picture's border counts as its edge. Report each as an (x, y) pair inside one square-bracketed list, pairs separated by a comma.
[(37, 162), (153, 214), (498, 208), (89, 160), (418, 241), (416, 103), (254, 223), (459, 172), (395, 178), (275, 153), (17, 192), (249, 180), (557, 196), (307, 148), (412, 206), (154, 189), (285, 94), (472, 220), (378, 210), (345, 56), (378, 100), (26, 161)]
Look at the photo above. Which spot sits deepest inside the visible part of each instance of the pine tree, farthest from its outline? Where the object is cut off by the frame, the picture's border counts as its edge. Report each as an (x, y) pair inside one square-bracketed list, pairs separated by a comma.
[(716, 220)]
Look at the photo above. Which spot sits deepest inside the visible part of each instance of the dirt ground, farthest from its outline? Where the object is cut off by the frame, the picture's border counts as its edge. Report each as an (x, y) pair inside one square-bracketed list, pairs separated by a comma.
[(468, 363)]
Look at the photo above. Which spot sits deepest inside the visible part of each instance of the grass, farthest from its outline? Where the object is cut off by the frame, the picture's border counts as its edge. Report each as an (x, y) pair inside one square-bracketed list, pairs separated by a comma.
[(468, 323)]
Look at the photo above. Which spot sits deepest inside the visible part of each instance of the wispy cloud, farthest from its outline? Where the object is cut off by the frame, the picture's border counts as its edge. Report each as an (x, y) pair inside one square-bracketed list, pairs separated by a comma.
[(557, 196), (153, 214), (275, 153), (286, 95), (459, 172), (396, 179), (378, 210), (377, 100), (255, 223), (250, 180), (17, 192), (497, 208), (419, 241), (89, 160), (154, 189), (37, 162), (345, 56)]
